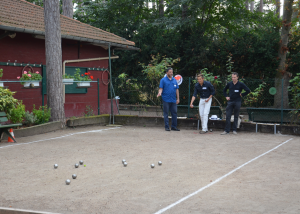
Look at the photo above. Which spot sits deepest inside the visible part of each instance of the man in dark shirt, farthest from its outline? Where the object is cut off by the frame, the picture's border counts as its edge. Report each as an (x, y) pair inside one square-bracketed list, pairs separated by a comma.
[(169, 91), (206, 91), (234, 101)]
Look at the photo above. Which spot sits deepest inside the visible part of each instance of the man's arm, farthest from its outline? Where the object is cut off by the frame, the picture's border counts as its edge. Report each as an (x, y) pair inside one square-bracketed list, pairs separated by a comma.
[(212, 92), (177, 95), (160, 90), (225, 92), (193, 99), (246, 89)]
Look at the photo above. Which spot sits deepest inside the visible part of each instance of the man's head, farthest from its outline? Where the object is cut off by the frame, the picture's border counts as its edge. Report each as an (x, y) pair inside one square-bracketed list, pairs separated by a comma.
[(200, 78), (169, 72), (234, 77)]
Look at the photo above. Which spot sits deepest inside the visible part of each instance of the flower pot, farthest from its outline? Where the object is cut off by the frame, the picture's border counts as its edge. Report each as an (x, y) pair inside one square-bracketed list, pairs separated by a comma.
[(1, 84), (84, 84), (68, 81), (31, 84)]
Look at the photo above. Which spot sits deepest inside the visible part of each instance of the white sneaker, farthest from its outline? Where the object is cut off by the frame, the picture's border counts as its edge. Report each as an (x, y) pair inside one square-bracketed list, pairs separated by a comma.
[(234, 132), (223, 133)]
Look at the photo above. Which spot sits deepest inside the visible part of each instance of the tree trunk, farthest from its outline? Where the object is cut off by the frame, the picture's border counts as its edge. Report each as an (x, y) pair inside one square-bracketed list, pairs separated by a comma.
[(161, 8), (247, 5), (184, 11), (153, 4), (67, 8), (261, 6), (282, 69), (54, 60), (252, 6)]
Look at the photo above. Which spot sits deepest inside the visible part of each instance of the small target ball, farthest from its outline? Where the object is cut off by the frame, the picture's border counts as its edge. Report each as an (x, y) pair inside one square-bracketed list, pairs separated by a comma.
[(55, 166), (74, 176), (81, 162), (152, 165), (159, 163), (68, 182), (125, 163), (76, 165)]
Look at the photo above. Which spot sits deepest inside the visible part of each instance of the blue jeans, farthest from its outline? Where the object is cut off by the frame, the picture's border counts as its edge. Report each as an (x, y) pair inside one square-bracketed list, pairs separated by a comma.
[(232, 106), (172, 107)]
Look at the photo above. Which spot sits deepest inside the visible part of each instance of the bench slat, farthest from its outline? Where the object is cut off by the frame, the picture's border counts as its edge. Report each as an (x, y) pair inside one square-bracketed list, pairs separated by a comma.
[(3, 119), (10, 125), (2, 114)]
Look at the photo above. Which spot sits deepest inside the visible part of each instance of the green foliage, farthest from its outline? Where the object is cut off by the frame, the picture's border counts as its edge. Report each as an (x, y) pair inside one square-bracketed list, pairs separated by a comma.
[(82, 77), (42, 114), (1, 73), (26, 76), (88, 111), (7, 101), (29, 118), (295, 101), (18, 113), (67, 76), (254, 96)]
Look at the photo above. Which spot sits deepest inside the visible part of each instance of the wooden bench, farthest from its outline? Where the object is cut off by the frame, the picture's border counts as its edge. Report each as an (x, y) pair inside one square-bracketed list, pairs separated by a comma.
[(5, 128), (269, 115)]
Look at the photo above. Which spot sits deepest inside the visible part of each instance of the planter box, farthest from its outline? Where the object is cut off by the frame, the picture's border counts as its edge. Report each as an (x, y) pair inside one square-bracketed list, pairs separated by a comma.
[(1, 84), (68, 81), (32, 84), (92, 120), (84, 84)]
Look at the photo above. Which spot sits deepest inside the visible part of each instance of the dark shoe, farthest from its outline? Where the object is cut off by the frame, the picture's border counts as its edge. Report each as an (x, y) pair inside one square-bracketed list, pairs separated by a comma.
[(175, 129), (167, 129), (203, 132)]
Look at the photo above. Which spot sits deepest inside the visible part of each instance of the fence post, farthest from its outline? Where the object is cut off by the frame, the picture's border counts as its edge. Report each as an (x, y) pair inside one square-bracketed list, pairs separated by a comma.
[(98, 96), (189, 97), (281, 101)]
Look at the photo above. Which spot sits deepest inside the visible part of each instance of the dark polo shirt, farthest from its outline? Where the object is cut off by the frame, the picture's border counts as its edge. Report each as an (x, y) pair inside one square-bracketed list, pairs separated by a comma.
[(205, 90), (235, 90)]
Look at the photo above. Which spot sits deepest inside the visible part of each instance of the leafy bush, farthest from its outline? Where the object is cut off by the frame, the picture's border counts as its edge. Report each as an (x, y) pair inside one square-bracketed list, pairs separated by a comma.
[(43, 114), (7, 102), (295, 101), (86, 77), (88, 111), (18, 113), (29, 118)]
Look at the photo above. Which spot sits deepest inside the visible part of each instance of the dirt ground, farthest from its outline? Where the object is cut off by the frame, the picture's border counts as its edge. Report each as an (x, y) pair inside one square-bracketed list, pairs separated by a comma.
[(268, 184)]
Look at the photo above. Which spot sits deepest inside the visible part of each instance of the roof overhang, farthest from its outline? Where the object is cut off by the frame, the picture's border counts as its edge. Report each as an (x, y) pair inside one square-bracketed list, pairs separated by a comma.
[(103, 44)]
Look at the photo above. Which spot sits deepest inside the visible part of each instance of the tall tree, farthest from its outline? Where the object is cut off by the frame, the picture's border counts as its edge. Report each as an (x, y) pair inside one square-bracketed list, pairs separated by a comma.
[(247, 5), (67, 8), (252, 6), (261, 5), (278, 8), (54, 60), (282, 76), (161, 8)]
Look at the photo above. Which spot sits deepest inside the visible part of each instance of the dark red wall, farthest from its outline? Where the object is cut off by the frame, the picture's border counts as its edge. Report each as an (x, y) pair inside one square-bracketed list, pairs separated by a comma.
[(25, 48)]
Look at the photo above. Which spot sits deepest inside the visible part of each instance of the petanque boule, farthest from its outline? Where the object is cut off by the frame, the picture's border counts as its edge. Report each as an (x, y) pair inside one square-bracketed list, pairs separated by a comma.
[(159, 163), (210, 130), (125, 163), (74, 176), (55, 166), (76, 165), (81, 162), (68, 182), (152, 165)]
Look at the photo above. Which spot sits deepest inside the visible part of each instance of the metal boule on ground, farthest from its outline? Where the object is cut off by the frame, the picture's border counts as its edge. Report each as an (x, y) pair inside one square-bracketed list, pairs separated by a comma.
[(68, 181), (74, 176), (55, 166)]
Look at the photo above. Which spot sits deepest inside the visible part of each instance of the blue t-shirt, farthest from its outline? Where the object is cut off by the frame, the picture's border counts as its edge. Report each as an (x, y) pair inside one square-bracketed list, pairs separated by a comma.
[(169, 89)]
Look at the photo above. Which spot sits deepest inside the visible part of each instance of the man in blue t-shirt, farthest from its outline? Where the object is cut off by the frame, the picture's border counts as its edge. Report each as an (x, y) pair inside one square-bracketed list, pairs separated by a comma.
[(234, 101), (169, 91)]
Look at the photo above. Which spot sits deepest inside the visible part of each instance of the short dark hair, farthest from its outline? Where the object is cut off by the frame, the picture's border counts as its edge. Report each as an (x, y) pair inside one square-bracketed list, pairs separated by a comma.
[(168, 69), (235, 73), (200, 75)]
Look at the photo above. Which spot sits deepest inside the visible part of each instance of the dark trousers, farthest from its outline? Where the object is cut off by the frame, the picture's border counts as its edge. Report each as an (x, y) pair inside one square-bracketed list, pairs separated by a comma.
[(232, 106), (172, 107)]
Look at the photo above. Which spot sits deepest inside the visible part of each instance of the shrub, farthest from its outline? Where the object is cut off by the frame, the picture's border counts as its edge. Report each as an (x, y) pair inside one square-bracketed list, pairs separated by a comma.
[(18, 113), (42, 114), (29, 118), (7, 102)]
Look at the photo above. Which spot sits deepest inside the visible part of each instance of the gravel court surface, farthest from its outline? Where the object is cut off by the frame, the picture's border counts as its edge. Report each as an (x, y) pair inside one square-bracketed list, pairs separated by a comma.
[(190, 161)]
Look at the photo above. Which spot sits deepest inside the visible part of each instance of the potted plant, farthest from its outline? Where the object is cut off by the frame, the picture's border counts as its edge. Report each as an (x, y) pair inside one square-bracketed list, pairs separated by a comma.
[(84, 79), (1, 75), (68, 79), (30, 79)]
